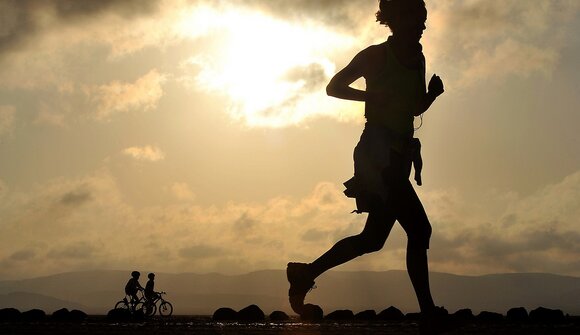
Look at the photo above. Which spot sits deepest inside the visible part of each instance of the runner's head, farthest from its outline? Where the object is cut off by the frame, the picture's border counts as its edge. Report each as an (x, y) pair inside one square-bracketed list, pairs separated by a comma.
[(405, 18)]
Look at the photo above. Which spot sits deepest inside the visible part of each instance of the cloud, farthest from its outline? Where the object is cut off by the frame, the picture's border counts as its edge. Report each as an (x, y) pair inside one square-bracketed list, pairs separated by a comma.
[(341, 14), (182, 191), (7, 116), (118, 97), (75, 250), (24, 20), (468, 42), (315, 235), (50, 37), (177, 237), (76, 198), (510, 58), (473, 41), (245, 223), (23, 255), (469, 238), (535, 233), (40, 41), (146, 153), (201, 251)]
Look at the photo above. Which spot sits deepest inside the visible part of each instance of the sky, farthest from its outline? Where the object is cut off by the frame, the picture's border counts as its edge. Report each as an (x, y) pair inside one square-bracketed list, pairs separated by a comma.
[(196, 136)]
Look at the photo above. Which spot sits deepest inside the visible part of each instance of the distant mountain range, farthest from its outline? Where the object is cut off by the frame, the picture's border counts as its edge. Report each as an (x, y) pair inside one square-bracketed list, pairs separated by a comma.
[(96, 292)]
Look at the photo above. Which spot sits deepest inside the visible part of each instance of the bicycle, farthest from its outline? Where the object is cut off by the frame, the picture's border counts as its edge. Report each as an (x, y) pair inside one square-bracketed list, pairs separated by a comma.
[(165, 307), (130, 304)]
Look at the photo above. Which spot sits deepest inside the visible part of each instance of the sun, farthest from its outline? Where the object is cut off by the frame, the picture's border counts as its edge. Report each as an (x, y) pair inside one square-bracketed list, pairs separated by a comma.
[(268, 68)]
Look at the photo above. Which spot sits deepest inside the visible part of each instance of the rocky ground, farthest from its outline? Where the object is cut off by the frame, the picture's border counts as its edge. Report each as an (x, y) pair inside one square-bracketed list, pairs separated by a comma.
[(251, 320), (205, 325)]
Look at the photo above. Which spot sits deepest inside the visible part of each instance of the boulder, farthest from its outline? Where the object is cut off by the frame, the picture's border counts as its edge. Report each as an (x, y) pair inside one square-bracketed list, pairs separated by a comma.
[(391, 314), (547, 316), (367, 315), (62, 314), (341, 314), (251, 313), (517, 315), (464, 314), (490, 317), (119, 314), (224, 313), (33, 315), (77, 315), (9, 314), (311, 312), (278, 316)]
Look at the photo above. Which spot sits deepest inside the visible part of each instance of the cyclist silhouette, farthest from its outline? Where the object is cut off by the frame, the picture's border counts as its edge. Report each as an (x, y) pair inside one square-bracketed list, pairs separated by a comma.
[(150, 293), (395, 93), (133, 286)]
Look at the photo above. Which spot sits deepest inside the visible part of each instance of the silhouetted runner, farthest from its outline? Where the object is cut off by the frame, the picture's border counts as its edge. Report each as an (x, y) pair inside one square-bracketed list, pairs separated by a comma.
[(395, 93)]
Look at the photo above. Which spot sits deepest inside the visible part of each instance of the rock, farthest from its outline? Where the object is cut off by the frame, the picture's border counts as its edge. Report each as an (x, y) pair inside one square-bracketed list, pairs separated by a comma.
[(391, 314), (547, 316), (119, 314), (490, 317), (517, 315), (464, 314), (77, 315), (224, 313), (278, 316), (138, 315), (311, 312), (413, 316), (33, 315), (367, 315), (9, 314), (62, 314), (251, 313), (341, 314)]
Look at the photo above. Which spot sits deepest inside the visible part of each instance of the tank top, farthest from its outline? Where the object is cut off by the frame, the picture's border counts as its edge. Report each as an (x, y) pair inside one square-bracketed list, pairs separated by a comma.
[(405, 87)]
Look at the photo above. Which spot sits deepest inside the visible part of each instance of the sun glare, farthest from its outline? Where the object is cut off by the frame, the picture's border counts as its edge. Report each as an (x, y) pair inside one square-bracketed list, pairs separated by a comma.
[(267, 68)]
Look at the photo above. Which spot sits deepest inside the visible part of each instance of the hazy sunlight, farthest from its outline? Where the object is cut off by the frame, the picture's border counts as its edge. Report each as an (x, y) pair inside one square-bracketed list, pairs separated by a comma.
[(266, 67)]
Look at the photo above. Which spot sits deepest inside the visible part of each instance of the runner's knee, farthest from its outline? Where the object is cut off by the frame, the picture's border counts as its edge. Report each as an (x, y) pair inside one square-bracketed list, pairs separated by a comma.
[(370, 243)]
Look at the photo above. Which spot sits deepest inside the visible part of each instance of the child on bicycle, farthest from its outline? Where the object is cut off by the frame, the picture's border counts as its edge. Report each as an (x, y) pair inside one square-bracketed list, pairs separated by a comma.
[(150, 294), (133, 286)]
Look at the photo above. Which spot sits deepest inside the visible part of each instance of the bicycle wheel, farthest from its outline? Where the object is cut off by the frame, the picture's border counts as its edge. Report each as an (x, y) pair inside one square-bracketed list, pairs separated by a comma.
[(122, 305), (139, 306), (149, 309), (165, 308)]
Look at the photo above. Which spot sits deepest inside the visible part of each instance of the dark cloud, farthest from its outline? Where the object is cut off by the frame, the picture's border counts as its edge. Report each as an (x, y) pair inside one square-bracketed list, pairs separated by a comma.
[(509, 220), (76, 198), (22, 255), (312, 75), (496, 38), (244, 223), (22, 20), (337, 13), (201, 251), (532, 250), (549, 239), (79, 250), (74, 9), (315, 235)]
